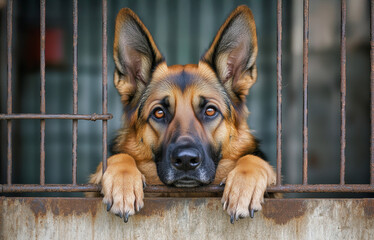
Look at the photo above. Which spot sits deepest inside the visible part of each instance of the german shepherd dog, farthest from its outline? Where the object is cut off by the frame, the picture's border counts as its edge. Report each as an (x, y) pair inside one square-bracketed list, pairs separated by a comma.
[(185, 126)]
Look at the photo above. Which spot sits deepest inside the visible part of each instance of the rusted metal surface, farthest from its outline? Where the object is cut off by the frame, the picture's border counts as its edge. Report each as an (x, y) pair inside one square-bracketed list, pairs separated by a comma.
[(75, 91), (49, 188), (42, 91), (186, 218), (91, 117), (105, 82), (305, 90), (9, 88), (372, 91), (342, 90), (287, 188), (279, 92)]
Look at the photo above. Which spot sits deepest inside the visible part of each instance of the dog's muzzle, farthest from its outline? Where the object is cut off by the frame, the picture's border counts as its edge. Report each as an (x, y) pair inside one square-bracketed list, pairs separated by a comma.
[(186, 163)]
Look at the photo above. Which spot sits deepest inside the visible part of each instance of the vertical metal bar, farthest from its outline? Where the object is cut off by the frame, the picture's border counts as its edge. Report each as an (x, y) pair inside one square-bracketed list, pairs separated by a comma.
[(75, 89), (42, 91), (279, 92), (105, 82), (305, 90), (372, 91), (9, 86), (343, 90)]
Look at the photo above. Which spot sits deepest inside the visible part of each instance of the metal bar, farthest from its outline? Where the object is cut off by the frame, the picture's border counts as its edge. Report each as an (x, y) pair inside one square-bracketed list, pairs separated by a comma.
[(279, 92), (372, 91), (105, 82), (50, 188), (9, 86), (305, 90), (288, 188), (343, 90), (75, 91), (91, 117), (42, 91)]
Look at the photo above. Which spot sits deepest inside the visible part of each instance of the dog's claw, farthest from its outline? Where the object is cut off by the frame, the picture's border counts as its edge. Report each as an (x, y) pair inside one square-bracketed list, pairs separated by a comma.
[(109, 206), (232, 219), (221, 184), (144, 185), (126, 218), (252, 213), (224, 205)]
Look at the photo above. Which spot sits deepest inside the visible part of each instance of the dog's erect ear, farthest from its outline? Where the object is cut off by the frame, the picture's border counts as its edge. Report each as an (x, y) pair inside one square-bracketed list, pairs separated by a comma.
[(233, 53), (135, 55)]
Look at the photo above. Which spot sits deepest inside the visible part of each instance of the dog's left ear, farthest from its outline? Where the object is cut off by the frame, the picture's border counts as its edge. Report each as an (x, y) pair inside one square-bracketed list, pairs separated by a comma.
[(233, 53), (135, 56)]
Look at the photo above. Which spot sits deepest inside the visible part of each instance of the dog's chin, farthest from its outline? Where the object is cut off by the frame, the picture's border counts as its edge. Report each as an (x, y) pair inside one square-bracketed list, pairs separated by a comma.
[(186, 183)]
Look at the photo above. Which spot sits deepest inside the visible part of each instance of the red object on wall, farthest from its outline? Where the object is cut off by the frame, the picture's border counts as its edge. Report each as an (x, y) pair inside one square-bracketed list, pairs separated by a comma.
[(54, 48)]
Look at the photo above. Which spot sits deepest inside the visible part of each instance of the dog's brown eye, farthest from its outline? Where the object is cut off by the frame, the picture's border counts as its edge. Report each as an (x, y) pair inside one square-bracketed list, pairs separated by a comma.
[(159, 113), (210, 111)]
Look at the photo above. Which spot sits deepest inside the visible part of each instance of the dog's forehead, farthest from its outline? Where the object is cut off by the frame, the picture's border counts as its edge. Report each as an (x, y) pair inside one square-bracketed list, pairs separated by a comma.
[(182, 77)]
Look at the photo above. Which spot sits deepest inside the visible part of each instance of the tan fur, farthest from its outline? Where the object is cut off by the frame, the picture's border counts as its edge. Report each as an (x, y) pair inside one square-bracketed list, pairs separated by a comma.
[(246, 176)]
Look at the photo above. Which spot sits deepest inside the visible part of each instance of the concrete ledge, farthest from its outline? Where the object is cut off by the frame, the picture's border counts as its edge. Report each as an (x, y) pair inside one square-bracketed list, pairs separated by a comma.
[(185, 218)]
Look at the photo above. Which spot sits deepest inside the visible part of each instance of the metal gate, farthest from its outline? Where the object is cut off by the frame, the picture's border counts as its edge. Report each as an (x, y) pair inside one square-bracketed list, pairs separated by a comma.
[(293, 218)]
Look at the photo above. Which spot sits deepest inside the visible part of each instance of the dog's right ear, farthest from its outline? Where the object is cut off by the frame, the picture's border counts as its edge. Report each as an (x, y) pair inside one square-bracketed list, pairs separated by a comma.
[(135, 55)]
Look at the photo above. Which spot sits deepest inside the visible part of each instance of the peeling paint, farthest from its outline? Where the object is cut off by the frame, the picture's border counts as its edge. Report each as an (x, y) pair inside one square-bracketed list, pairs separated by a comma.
[(185, 218), (36, 206), (368, 206), (283, 210), (156, 207)]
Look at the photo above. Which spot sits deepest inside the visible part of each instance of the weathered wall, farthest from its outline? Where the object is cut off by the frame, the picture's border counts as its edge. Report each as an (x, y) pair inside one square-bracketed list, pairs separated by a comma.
[(172, 218)]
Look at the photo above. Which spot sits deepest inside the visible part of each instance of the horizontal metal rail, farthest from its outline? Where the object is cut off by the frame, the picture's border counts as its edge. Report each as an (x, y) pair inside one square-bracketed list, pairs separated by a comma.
[(19, 188), (287, 188), (91, 117)]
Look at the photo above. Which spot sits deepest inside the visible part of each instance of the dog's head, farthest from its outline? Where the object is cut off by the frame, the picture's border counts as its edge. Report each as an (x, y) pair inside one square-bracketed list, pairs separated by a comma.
[(185, 116)]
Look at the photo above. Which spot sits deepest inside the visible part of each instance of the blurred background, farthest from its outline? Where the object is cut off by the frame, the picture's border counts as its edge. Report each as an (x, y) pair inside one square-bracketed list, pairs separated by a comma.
[(183, 30)]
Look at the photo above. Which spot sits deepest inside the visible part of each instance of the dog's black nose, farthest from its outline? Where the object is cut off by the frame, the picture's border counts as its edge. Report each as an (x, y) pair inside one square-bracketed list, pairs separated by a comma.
[(185, 158)]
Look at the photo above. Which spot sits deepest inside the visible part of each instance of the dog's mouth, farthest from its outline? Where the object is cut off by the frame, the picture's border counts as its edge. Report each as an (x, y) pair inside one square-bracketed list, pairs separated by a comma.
[(186, 182)]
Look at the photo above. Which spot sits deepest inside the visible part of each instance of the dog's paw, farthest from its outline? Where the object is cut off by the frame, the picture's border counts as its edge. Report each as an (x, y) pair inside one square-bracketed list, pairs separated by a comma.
[(122, 188), (245, 187)]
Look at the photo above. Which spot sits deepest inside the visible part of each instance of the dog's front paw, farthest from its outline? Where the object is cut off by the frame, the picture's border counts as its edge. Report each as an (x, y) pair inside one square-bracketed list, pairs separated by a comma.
[(245, 187), (122, 187)]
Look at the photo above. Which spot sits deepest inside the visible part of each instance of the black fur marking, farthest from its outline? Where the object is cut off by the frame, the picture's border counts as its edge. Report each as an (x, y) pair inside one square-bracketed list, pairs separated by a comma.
[(257, 151), (216, 154), (183, 80), (112, 145)]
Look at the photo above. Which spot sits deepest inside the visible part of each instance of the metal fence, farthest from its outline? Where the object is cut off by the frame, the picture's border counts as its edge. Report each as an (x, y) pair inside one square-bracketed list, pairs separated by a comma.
[(105, 116)]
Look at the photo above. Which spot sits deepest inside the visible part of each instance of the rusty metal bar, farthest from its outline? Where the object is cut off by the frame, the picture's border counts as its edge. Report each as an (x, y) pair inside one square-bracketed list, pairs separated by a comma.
[(287, 188), (75, 91), (91, 117), (42, 91), (372, 91), (343, 90), (18, 188), (9, 86), (279, 92), (105, 82), (305, 90)]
